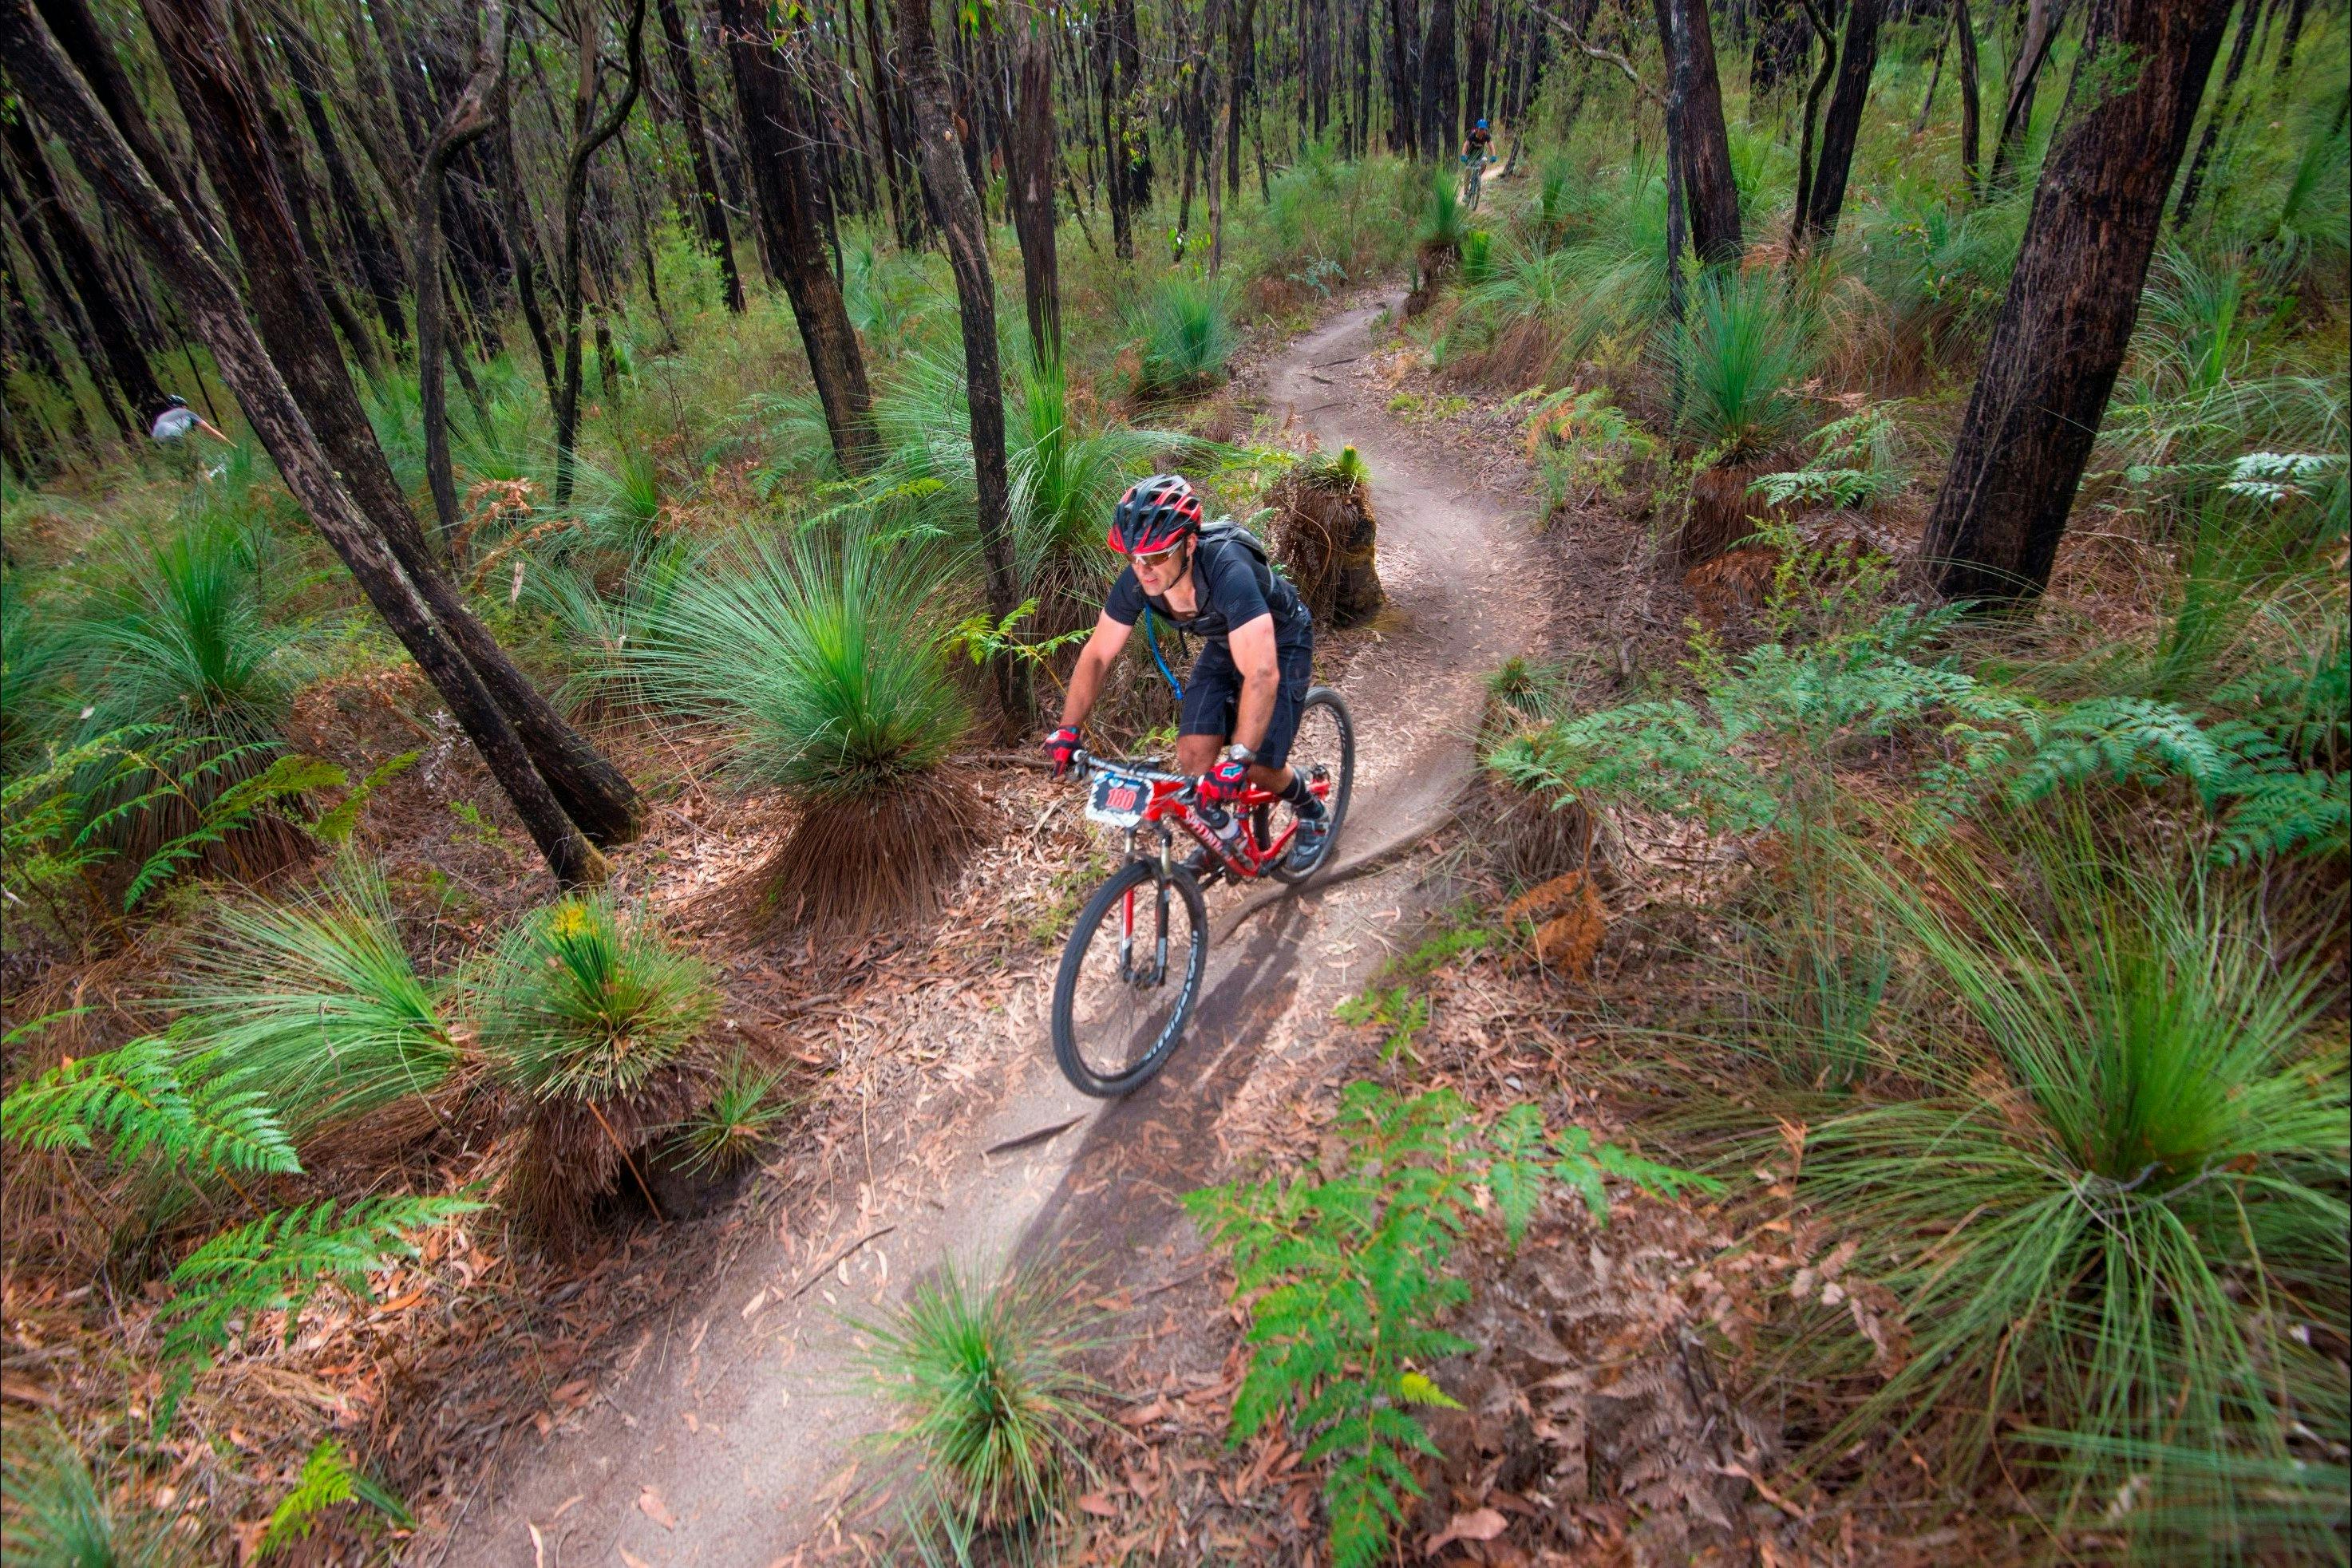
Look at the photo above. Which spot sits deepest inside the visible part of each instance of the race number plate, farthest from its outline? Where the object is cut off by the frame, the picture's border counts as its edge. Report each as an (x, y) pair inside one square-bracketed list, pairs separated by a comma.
[(1119, 800)]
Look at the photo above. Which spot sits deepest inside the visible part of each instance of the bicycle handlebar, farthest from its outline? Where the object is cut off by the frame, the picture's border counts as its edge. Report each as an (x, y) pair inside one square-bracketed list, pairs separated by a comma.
[(1087, 762)]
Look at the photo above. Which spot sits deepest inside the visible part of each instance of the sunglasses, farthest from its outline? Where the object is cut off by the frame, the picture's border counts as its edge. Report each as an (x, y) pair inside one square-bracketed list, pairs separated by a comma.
[(1158, 558)]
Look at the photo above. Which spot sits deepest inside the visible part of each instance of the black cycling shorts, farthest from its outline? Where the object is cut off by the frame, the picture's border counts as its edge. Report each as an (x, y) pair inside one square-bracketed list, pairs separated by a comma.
[(1213, 698)]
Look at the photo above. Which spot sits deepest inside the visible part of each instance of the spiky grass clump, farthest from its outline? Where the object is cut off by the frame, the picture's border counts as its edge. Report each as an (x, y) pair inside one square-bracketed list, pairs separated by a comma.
[(181, 640), (990, 1409), (821, 657), (61, 1512), (1444, 222), (1187, 335), (594, 1020), (1738, 360), (2115, 1203), (725, 1135), (314, 1004), (36, 659)]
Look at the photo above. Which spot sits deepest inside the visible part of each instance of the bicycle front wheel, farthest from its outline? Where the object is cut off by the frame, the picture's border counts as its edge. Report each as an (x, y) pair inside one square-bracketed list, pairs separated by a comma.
[(1129, 979), (1325, 750)]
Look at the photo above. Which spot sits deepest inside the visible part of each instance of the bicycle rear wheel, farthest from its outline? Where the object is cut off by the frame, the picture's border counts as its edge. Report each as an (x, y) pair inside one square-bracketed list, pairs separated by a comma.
[(1129, 979), (1325, 747)]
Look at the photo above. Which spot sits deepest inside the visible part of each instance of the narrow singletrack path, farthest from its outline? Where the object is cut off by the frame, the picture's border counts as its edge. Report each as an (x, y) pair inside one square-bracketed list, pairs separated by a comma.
[(727, 1434)]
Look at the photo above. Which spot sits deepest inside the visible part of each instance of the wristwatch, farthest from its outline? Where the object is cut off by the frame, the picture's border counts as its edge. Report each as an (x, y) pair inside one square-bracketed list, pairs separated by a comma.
[(1240, 754)]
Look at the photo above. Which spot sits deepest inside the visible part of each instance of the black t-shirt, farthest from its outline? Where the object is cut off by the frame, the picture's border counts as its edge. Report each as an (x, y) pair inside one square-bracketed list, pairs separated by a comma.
[(1230, 588), (1478, 142)]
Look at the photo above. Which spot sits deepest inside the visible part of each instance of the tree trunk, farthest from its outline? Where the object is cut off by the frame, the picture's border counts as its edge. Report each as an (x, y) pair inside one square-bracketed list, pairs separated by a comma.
[(1404, 57), (1778, 51), (1440, 94), (1032, 149), (956, 209), (521, 242), (1482, 49), (2194, 183), (116, 339), (1856, 59), (785, 179), (1822, 74), (211, 301), (467, 121), (1971, 127), (293, 326), (2073, 299), (1241, 22), (2042, 18), (374, 251), (713, 212), (78, 35), (588, 135), (1704, 146)]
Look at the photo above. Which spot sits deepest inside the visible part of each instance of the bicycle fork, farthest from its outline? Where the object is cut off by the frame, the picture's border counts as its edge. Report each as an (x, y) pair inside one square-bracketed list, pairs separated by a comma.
[(1158, 971)]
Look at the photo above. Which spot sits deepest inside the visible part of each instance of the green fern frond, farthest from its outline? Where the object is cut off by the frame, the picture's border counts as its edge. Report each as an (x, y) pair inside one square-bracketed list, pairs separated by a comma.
[(134, 1098)]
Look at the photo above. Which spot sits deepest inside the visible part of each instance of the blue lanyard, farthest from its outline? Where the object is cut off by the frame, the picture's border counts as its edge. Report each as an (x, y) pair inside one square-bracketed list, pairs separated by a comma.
[(1153, 637)]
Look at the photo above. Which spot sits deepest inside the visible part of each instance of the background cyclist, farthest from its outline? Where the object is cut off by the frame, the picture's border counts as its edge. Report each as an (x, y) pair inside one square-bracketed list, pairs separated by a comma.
[(1242, 701)]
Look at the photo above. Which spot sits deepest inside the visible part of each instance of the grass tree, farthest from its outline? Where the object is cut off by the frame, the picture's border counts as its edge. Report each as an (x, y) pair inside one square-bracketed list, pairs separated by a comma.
[(821, 657), (595, 1021), (1187, 335)]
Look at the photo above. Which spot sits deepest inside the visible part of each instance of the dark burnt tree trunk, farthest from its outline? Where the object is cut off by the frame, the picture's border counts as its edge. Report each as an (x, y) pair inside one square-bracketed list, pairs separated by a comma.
[(956, 209), (1405, 61), (2063, 328), (377, 263), (468, 118), (115, 337), (789, 194), (2042, 18), (1702, 146), (294, 330), (1970, 111), (1033, 180), (77, 33), (589, 134), (1241, 22), (1474, 69), (1857, 58), (29, 350), (521, 240), (709, 207), (2194, 185), (213, 305), (1125, 153), (1440, 94), (1827, 41)]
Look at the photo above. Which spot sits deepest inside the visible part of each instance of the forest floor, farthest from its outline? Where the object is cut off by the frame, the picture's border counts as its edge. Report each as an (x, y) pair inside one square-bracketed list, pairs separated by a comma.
[(728, 1432)]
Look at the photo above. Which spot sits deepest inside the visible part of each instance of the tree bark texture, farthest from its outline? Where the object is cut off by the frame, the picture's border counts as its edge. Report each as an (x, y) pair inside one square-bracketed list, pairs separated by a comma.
[(368, 243), (1857, 58), (1404, 59), (1033, 158), (1971, 96), (787, 191), (2191, 186), (212, 304), (2060, 338), (293, 329), (2043, 19), (1474, 69), (1696, 97), (466, 121), (956, 209), (709, 207), (589, 134), (1440, 94)]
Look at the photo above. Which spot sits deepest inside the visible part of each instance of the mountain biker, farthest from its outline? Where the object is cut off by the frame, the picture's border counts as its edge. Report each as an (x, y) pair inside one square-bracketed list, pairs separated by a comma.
[(1478, 146), (1241, 706)]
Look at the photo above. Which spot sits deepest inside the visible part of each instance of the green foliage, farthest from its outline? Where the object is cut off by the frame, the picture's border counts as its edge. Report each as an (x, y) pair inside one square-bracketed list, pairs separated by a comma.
[(1187, 332), (140, 1101), (1350, 1275), (1477, 257), (577, 1004), (1343, 470), (1443, 219), (313, 1006), (822, 659), (725, 1135), (1857, 462), (2118, 1192), (61, 1512), (987, 1400), (290, 778), (984, 637), (328, 1479), (1739, 358), (1584, 446), (278, 1263)]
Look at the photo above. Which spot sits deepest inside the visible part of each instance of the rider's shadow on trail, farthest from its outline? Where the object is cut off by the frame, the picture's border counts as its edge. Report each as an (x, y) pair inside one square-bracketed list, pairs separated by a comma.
[(1126, 1183)]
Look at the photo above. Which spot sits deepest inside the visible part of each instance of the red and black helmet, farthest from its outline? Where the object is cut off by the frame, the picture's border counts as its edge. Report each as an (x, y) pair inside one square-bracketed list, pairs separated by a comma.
[(1154, 514)]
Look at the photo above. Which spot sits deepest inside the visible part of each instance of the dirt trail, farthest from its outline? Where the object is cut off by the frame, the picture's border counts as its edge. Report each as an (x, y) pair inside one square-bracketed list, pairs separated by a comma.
[(726, 1436)]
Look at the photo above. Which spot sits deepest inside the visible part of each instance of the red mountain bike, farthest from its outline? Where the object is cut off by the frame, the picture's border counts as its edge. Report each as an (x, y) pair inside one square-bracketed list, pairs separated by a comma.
[(1132, 971)]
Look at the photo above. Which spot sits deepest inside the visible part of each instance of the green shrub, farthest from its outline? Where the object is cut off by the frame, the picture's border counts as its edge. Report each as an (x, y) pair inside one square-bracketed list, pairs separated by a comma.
[(1348, 1277), (180, 641), (63, 1513), (1443, 219), (725, 1135), (313, 1005), (821, 658), (1477, 257), (987, 1401), (2116, 1196), (328, 1479), (1188, 336), (36, 661), (1738, 361)]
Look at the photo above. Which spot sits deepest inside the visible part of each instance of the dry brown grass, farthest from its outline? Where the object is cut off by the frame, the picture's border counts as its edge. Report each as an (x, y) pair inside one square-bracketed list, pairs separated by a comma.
[(855, 866)]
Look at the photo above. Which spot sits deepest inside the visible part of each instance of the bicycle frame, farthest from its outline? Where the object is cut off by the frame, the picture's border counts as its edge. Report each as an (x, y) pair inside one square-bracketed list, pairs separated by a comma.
[(1175, 803)]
